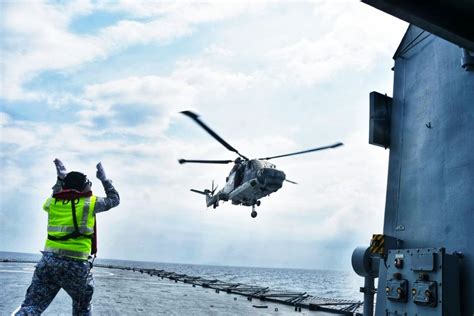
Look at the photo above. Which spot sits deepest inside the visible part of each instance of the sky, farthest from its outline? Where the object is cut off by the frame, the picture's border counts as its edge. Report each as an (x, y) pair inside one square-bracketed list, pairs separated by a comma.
[(89, 81)]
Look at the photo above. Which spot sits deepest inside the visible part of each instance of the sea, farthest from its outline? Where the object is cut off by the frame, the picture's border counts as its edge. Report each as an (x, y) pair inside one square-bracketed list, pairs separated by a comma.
[(322, 283)]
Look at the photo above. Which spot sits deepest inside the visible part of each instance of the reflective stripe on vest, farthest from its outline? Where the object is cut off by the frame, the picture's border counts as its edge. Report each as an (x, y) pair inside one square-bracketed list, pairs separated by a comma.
[(61, 223), (68, 253), (70, 229)]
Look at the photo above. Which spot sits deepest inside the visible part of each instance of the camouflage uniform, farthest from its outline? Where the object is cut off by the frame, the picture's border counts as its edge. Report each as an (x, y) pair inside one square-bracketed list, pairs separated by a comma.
[(54, 271)]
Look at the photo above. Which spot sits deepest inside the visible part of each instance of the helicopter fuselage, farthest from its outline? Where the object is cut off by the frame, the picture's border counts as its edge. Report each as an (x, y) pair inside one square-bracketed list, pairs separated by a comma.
[(248, 182)]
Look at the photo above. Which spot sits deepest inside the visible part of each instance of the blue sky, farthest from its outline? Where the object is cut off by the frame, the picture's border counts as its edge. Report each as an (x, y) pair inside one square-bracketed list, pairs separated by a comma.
[(91, 81)]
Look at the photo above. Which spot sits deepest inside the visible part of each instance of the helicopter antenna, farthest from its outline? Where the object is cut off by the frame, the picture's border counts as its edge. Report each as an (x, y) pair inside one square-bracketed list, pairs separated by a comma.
[(304, 151), (196, 119)]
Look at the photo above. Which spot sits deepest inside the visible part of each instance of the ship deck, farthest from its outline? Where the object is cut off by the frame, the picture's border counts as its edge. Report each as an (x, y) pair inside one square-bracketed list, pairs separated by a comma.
[(121, 290)]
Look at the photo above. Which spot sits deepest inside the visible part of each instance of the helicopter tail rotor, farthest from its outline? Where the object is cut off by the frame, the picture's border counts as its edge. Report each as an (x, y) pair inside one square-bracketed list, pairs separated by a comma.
[(208, 193), (211, 199)]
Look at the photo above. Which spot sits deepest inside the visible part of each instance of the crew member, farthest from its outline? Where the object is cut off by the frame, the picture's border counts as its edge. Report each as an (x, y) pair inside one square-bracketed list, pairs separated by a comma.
[(71, 244)]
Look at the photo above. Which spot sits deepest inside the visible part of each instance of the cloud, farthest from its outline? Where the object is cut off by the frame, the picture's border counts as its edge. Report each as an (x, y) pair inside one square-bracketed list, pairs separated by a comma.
[(354, 43), (36, 40), (150, 101), (38, 37)]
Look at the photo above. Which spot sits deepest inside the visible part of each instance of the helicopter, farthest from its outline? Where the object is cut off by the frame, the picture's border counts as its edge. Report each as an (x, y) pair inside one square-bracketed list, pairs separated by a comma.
[(249, 180)]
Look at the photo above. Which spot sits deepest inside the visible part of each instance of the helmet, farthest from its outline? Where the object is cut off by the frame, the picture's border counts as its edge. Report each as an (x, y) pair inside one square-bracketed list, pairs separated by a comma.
[(76, 181)]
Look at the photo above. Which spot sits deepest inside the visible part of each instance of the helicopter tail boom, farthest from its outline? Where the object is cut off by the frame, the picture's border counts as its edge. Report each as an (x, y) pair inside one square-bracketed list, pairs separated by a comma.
[(211, 198)]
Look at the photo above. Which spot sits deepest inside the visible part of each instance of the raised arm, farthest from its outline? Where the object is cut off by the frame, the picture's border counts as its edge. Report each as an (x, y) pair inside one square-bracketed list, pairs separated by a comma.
[(61, 173), (112, 198)]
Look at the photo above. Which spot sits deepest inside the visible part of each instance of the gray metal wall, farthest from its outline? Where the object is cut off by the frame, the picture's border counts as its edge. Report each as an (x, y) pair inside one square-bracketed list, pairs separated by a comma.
[(430, 190)]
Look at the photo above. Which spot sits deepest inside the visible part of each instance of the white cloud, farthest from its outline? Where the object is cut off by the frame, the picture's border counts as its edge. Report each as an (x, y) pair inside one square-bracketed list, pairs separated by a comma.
[(354, 43), (128, 33), (38, 38), (189, 12), (150, 101), (152, 90)]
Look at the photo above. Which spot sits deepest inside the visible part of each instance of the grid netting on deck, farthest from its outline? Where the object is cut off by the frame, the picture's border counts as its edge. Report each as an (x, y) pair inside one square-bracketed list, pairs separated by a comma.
[(297, 299)]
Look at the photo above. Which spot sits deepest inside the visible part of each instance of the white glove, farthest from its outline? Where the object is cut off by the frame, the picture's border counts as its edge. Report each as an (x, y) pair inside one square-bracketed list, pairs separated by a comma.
[(100, 172), (60, 169)]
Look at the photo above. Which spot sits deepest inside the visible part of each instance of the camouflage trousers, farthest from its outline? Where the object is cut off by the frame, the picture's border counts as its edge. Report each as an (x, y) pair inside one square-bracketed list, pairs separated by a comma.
[(52, 273)]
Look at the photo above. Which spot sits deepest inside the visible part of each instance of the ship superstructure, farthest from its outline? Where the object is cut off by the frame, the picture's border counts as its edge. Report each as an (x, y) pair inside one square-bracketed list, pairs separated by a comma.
[(424, 260)]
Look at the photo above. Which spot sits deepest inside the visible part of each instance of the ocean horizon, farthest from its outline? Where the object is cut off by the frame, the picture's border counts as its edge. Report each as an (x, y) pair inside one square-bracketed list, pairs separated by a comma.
[(316, 282)]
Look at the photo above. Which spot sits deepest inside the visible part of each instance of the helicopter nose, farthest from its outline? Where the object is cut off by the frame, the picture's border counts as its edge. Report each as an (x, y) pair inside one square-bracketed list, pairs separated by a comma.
[(271, 178)]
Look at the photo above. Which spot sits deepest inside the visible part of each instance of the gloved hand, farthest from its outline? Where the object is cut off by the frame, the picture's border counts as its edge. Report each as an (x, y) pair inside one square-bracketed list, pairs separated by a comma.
[(100, 172), (60, 169)]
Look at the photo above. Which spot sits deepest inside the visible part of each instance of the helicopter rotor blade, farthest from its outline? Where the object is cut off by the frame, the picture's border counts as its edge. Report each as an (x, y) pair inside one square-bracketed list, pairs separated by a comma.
[(291, 181), (205, 192), (196, 119), (304, 151), (182, 161)]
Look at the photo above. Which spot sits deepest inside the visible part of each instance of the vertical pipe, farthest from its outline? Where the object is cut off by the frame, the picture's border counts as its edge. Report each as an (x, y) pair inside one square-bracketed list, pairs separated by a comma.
[(369, 291)]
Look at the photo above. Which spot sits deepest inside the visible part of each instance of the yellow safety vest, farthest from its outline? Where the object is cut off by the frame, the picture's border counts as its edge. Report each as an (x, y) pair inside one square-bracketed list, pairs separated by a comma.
[(63, 237)]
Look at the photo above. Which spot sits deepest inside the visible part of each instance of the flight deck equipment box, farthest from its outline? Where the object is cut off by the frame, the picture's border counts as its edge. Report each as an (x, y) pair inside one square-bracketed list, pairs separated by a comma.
[(380, 117), (422, 282)]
